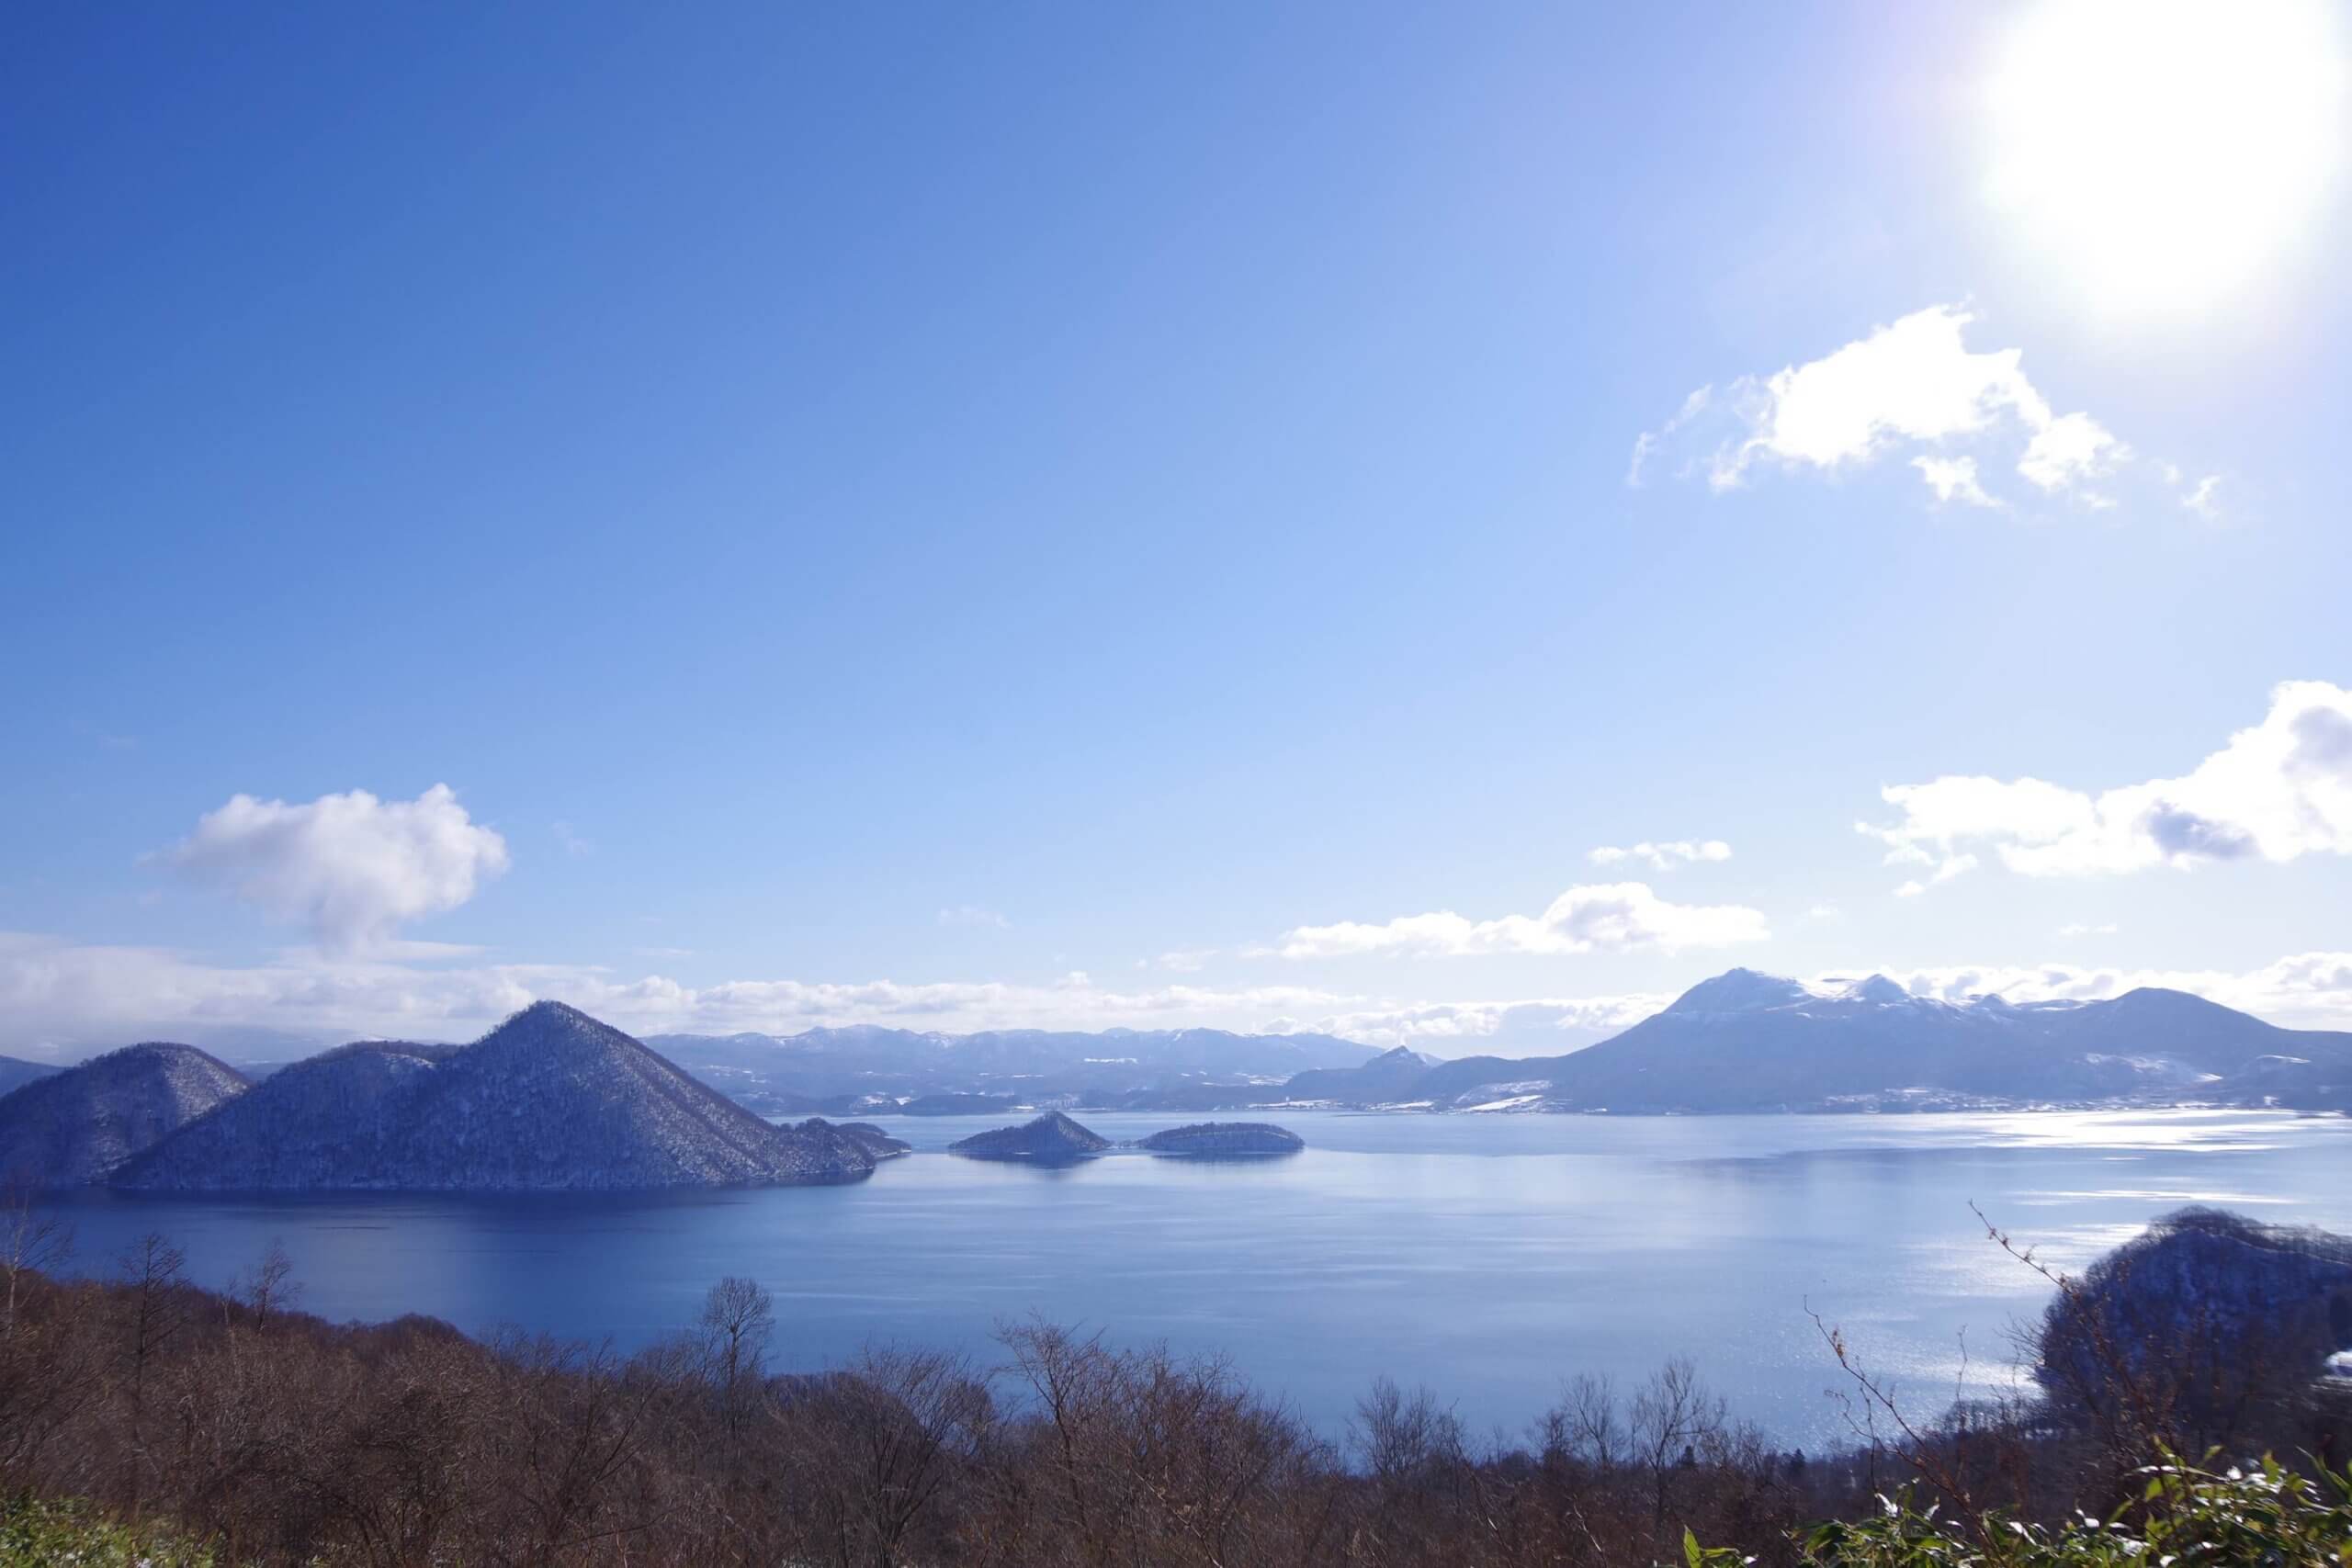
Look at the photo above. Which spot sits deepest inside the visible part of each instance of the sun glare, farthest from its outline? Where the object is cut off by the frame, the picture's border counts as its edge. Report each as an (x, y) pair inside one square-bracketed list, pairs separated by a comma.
[(2164, 149)]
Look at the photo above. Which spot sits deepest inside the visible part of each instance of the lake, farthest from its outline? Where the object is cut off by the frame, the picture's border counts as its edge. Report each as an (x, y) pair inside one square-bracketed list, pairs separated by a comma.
[(1487, 1257)]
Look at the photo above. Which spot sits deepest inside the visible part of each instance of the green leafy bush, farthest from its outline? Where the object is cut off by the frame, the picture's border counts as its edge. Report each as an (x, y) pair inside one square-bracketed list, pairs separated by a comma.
[(2265, 1517), (36, 1534)]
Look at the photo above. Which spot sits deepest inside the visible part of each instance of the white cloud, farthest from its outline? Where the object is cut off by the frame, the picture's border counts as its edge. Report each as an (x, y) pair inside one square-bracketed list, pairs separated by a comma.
[(1914, 384), (573, 844), (1539, 1027), (2077, 928), (973, 914), (1664, 857), (1183, 960), (2069, 449), (1610, 916), (2279, 790), (2202, 501), (351, 867), (1952, 865), (1650, 443), (1953, 478)]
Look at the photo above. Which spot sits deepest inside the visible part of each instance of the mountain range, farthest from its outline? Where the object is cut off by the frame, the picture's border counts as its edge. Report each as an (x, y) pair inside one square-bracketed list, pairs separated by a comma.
[(869, 1069), (1744, 1041), (551, 1099)]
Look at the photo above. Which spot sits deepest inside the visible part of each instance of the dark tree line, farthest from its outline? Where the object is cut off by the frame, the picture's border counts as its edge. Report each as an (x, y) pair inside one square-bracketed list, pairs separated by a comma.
[(282, 1438)]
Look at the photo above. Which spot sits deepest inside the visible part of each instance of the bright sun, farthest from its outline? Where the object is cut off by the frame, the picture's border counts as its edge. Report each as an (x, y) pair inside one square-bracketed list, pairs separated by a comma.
[(2162, 150)]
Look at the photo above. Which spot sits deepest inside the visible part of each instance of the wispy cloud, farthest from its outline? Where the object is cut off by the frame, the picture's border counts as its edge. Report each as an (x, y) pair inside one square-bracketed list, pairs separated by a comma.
[(2203, 498), (2278, 791), (2077, 928), (1663, 857), (105, 740), (573, 844), (1612, 917), (974, 915)]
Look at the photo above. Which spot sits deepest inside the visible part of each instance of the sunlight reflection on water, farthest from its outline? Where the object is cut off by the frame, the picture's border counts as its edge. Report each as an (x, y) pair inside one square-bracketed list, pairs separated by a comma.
[(1489, 1257)]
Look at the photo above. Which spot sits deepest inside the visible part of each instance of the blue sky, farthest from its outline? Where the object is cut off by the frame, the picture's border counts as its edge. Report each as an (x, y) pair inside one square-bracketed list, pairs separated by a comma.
[(1101, 516)]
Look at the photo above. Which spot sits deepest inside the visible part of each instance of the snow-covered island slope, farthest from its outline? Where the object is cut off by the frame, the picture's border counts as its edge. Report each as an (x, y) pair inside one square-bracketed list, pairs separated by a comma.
[(76, 1127), (550, 1100), (1748, 1042)]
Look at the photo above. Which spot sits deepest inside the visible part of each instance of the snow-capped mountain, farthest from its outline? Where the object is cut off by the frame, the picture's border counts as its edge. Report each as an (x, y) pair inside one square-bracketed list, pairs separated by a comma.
[(74, 1127), (550, 1100), (1745, 1041)]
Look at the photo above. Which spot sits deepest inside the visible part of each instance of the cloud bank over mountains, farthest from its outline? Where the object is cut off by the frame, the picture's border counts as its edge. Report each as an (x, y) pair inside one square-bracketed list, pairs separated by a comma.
[(61, 1001)]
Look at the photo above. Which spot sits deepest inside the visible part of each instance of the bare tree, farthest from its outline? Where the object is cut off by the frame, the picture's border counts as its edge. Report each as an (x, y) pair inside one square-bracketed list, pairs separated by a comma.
[(738, 1318), (32, 1241), (890, 1433), (271, 1288), (1672, 1413)]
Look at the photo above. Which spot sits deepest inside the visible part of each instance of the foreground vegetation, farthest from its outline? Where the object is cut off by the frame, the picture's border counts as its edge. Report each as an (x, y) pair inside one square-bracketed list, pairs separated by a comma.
[(268, 1436)]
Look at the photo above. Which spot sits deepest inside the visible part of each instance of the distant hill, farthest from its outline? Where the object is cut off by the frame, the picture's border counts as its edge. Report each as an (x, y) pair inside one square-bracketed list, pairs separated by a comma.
[(1391, 1077), (550, 1100), (77, 1126), (1748, 1042), (14, 1074), (866, 1070), (1051, 1138)]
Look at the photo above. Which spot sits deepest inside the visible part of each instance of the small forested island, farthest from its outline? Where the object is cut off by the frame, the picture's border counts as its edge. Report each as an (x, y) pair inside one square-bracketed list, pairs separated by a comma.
[(1050, 1139), (1223, 1139)]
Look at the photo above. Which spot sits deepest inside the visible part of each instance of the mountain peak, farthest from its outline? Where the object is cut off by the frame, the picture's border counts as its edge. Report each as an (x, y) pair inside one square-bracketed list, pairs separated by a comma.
[(550, 1100), (1051, 1138), (1739, 990), (1876, 989), (82, 1124)]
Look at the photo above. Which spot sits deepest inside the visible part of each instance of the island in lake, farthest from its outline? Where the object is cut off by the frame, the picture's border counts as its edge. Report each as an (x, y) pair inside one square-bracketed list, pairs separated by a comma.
[(1225, 1140), (1052, 1138)]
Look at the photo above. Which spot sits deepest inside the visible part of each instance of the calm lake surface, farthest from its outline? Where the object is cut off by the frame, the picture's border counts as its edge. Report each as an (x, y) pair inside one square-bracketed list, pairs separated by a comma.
[(1487, 1257)]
